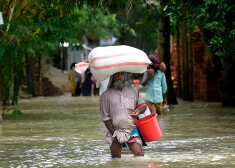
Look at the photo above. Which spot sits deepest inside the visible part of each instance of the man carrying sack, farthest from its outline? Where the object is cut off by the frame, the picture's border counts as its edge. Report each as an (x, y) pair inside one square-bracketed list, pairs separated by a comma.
[(117, 106)]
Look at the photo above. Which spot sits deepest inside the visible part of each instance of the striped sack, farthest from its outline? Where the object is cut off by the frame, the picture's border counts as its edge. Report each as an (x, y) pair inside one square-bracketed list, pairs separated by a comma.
[(106, 61)]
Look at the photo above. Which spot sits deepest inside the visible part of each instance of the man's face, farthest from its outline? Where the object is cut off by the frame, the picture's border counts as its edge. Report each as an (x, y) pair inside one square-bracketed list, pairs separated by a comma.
[(119, 76), (119, 80)]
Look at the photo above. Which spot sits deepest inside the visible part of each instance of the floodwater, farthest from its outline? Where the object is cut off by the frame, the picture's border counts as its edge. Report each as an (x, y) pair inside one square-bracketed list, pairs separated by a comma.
[(67, 132)]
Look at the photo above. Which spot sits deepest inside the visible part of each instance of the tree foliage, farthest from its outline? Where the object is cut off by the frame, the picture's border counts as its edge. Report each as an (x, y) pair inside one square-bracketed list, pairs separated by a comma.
[(139, 25), (38, 27), (218, 18), (215, 20)]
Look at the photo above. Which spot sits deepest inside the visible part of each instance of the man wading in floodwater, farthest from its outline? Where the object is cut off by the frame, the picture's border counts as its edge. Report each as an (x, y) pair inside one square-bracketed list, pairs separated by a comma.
[(117, 106)]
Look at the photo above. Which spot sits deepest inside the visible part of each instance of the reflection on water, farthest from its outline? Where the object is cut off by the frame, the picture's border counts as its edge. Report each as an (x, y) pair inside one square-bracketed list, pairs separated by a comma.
[(67, 132)]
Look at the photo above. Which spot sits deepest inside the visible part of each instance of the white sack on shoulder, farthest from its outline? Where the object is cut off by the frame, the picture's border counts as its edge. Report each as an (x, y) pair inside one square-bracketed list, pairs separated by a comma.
[(81, 67), (105, 61)]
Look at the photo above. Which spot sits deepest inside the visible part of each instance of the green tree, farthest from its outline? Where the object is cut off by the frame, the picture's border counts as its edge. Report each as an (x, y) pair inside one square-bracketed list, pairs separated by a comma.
[(139, 26), (36, 28), (217, 25)]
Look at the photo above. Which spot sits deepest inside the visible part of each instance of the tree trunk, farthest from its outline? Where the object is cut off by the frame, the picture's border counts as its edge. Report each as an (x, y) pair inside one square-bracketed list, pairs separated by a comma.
[(182, 33), (5, 91), (30, 75), (178, 58), (0, 112), (190, 61), (0, 93), (6, 81), (184, 53), (186, 63), (164, 52), (27, 75), (17, 77), (11, 14), (39, 74), (1, 5), (0, 81)]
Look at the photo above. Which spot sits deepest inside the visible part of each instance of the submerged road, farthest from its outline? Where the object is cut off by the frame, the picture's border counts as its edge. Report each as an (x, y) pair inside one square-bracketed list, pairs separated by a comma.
[(67, 131)]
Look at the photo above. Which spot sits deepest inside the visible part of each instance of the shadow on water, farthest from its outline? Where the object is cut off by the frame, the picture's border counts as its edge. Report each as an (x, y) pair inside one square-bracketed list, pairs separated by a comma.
[(67, 132)]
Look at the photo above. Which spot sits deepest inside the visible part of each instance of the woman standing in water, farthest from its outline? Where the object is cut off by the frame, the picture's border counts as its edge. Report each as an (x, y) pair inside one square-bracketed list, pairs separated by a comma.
[(73, 83), (156, 85)]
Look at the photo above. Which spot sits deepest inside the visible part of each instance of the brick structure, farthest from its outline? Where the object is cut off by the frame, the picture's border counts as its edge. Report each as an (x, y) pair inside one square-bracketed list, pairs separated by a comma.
[(205, 84)]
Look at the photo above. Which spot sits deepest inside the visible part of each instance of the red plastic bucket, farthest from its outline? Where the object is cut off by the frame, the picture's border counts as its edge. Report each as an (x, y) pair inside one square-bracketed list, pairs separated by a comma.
[(149, 126)]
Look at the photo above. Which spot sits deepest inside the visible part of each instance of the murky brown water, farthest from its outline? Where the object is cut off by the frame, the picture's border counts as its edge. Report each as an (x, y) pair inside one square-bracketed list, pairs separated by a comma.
[(67, 132)]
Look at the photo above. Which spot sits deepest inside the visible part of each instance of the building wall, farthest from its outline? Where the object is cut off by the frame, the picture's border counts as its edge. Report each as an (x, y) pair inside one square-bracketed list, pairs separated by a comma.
[(205, 83)]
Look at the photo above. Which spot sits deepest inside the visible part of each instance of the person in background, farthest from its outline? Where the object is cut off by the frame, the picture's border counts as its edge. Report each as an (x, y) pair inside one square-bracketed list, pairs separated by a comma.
[(128, 78), (87, 83), (78, 80), (102, 85), (117, 106), (155, 53), (95, 88), (73, 83), (156, 85)]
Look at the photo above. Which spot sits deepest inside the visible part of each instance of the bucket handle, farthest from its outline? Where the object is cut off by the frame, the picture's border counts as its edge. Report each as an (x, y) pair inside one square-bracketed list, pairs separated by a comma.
[(144, 105)]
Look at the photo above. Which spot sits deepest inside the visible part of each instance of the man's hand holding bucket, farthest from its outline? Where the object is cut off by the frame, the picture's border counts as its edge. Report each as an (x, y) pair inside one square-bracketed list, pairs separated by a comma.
[(137, 112)]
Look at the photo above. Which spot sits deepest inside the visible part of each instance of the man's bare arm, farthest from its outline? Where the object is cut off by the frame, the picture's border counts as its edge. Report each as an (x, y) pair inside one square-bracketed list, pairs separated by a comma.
[(109, 126)]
